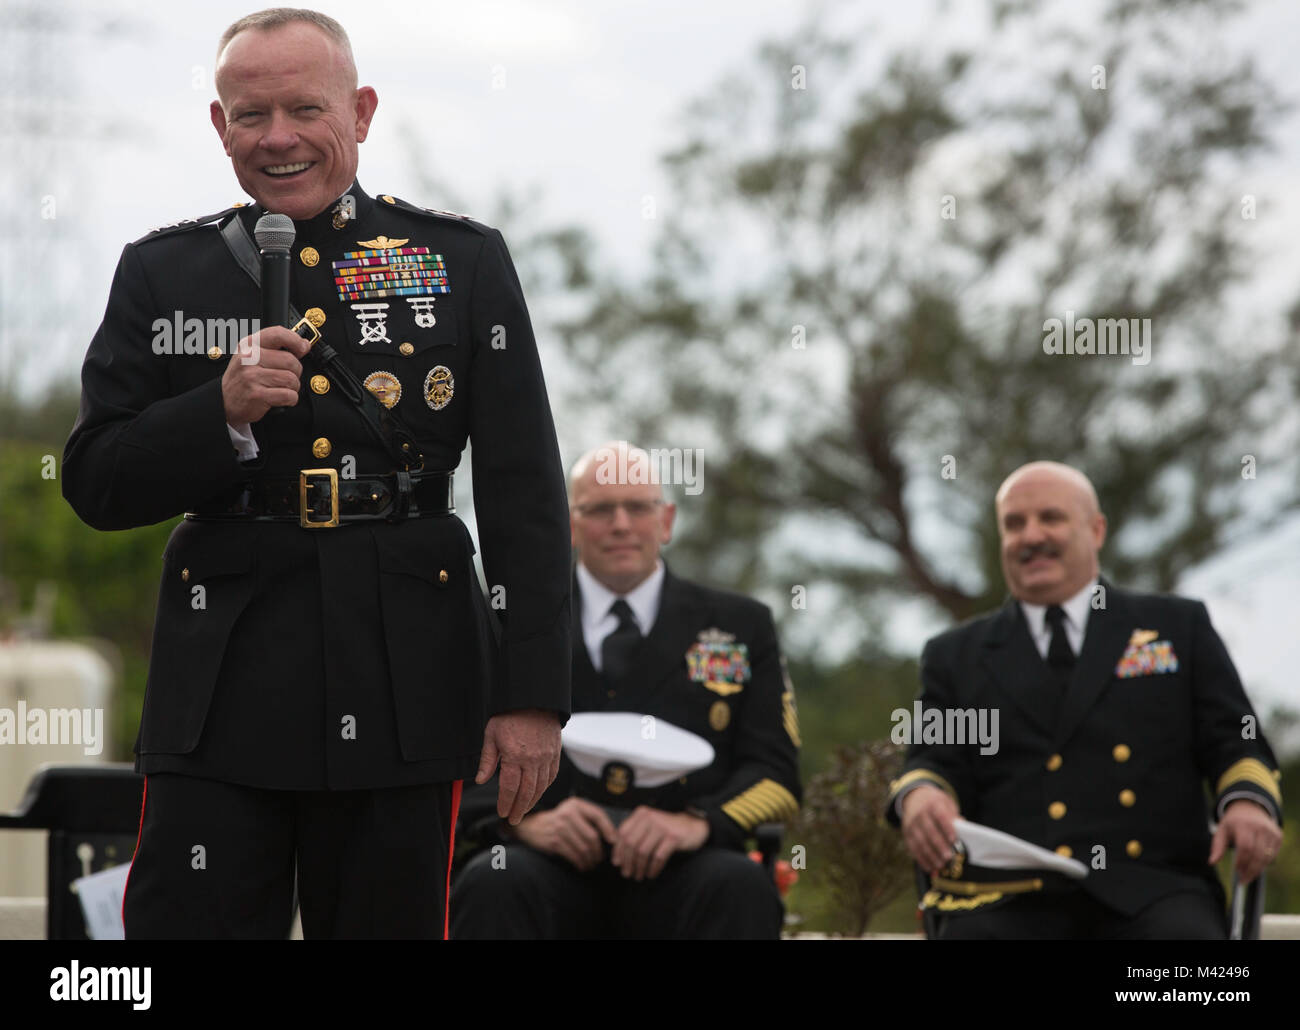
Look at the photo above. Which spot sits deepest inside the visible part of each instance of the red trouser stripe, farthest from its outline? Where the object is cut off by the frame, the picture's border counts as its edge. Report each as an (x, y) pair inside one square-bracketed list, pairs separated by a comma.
[(451, 848), (138, 834)]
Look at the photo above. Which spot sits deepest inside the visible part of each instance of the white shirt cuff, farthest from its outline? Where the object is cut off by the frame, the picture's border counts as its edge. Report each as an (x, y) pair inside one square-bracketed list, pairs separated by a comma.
[(1249, 796), (242, 437)]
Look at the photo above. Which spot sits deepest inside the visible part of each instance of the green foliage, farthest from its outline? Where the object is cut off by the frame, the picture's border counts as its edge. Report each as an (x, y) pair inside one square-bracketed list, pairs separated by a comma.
[(107, 583)]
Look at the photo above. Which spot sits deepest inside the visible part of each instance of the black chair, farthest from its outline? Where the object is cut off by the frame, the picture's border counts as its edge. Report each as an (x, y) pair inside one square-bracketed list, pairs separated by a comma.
[(92, 813), (1246, 909), (767, 836)]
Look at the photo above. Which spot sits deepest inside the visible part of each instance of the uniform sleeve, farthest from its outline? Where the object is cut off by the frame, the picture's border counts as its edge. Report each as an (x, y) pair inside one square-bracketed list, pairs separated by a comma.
[(137, 455), (764, 782), (1231, 750), (944, 766), (519, 494)]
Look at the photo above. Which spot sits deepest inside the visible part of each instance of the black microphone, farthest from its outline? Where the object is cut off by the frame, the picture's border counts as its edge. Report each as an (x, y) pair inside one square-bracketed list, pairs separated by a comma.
[(274, 235)]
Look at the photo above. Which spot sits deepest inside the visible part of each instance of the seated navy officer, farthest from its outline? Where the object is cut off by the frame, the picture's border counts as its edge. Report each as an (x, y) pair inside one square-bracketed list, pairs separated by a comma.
[(1116, 709), (674, 865)]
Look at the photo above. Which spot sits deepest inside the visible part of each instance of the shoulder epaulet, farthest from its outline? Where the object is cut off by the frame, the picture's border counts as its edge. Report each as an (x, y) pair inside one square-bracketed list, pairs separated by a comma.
[(186, 223), (430, 212)]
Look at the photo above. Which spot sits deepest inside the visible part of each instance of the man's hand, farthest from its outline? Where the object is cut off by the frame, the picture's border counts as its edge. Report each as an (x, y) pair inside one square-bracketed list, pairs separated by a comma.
[(527, 744), (1250, 829), (250, 388), (648, 838), (928, 830), (575, 829)]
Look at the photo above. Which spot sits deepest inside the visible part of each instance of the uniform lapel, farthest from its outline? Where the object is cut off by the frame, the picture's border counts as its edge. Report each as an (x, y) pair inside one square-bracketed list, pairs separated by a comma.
[(586, 681), (1017, 668), (1103, 644), (663, 653)]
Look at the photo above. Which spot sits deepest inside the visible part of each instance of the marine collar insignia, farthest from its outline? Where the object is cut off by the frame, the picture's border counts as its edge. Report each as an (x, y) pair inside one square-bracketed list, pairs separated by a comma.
[(344, 211)]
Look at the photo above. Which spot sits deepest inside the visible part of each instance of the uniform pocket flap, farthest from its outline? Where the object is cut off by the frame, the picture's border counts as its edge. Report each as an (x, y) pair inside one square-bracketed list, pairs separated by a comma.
[(437, 550), (201, 554)]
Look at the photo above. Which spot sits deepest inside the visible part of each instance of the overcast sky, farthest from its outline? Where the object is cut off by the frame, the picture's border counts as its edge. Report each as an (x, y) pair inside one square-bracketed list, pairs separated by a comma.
[(573, 100)]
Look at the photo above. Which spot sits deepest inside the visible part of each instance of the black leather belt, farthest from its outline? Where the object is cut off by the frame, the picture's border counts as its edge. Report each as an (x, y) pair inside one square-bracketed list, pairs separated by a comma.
[(319, 499)]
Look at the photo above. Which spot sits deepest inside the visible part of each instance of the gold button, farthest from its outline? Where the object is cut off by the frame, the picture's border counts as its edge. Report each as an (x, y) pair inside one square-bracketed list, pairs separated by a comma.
[(1065, 851), (321, 448), (1056, 809), (315, 316), (442, 576), (214, 353), (1121, 752), (1054, 763), (610, 693), (319, 384), (387, 199), (1127, 798), (309, 256), (682, 781), (238, 203), (1133, 848), (185, 575), (407, 349)]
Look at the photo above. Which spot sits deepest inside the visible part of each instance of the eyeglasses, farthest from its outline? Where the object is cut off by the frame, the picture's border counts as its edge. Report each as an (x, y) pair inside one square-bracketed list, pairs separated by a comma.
[(604, 511)]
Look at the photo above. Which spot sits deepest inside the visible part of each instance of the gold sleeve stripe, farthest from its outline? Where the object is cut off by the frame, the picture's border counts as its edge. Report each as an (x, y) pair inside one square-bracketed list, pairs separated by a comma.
[(765, 801), (768, 802), (1252, 770), (790, 718), (743, 812), (922, 774)]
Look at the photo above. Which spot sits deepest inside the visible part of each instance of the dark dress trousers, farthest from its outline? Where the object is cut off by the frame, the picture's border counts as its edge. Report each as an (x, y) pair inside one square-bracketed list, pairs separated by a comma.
[(343, 659), (749, 718), (1113, 773)]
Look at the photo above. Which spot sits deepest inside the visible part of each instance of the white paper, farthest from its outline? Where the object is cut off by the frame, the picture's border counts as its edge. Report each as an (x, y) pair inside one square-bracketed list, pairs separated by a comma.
[(101, 902)]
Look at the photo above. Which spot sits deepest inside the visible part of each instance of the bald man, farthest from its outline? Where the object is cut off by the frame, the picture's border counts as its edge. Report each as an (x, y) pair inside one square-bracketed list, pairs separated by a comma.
[(1116, 711), (325, 671), (706, 661)]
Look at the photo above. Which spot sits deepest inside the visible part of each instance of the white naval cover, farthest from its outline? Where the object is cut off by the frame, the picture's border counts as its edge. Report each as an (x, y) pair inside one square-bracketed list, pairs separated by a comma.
[(994, 849), (657, 751)]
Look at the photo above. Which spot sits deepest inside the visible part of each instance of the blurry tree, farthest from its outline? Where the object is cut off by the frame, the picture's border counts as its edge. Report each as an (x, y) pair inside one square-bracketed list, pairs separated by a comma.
[(849, 293), (850, 851)]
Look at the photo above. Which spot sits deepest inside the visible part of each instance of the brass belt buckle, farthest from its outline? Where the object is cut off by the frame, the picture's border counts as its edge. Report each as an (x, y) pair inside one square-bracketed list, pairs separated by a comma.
[(304, 323), (305, 478)]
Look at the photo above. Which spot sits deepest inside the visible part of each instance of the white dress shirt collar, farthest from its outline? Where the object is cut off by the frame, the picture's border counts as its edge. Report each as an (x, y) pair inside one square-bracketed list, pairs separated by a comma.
[(597, 620), (1076, 610)]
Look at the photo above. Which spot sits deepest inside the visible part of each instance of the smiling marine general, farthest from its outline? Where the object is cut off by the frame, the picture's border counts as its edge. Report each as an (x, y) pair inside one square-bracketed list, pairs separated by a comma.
[(325, 670)]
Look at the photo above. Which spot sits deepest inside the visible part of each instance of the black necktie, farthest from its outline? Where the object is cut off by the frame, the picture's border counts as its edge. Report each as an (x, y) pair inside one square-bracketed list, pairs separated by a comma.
[(1060, 656), (616, 649)]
